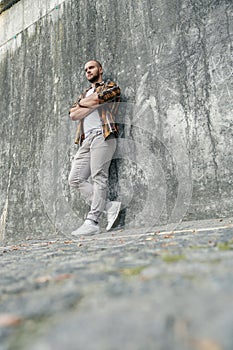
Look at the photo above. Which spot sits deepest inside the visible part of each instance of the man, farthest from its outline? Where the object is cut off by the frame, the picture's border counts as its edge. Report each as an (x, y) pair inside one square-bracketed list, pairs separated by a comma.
[(96, 135)]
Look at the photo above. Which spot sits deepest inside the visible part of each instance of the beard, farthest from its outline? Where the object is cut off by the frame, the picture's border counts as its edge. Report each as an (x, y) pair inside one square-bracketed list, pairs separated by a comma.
[(94, 78)]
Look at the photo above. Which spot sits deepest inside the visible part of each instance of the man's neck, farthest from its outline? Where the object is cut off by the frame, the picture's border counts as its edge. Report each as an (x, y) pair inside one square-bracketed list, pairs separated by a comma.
[(96, 82)]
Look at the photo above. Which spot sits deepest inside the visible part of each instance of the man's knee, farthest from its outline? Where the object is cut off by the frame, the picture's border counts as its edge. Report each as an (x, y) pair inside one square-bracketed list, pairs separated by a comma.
[(100, 178), (74, 181)]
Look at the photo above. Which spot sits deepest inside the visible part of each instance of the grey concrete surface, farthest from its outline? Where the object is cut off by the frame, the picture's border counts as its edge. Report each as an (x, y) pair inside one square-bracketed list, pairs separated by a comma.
[(141, 287), (6, 4), (173, 61), (166, 290)]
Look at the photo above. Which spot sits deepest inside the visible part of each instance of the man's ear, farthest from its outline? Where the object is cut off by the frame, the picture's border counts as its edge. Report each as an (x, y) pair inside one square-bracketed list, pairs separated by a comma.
[(101, 70)]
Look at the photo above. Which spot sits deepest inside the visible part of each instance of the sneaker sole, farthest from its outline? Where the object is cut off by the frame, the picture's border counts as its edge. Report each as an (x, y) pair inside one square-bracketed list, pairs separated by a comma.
[(85, 234), (109, 226)]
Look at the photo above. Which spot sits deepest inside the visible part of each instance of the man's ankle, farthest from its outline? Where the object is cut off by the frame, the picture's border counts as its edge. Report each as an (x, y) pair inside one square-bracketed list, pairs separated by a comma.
[(91, 221)]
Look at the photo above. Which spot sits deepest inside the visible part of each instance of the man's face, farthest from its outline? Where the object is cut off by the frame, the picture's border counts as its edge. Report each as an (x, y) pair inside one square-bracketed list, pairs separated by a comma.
[(93, 71)]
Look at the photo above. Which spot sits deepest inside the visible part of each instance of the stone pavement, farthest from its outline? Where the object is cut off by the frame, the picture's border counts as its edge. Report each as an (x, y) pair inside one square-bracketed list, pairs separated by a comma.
[(131, 290)]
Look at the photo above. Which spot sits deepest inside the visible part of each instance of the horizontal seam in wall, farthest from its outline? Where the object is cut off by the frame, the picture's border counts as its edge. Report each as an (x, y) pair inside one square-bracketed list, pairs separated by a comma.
[(7, 5), (57, 7)]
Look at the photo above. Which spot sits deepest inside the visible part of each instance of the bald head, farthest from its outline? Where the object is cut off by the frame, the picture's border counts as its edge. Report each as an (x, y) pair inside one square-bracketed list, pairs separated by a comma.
[(94, 71), (97, 62)]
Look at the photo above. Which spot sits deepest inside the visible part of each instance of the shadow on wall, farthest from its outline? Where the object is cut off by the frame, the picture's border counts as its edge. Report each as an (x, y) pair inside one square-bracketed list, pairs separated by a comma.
[(174, 67)]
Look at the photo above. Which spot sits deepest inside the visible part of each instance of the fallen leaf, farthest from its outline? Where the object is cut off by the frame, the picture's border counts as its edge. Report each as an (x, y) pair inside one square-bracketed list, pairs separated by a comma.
[(205, 344), (169, 236), (14, 247), (57, 278), (168, 244), (9, 320), (44, 279), (63, 276)]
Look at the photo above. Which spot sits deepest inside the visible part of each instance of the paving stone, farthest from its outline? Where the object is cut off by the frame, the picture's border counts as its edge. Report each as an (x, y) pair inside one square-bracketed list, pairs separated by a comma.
[(121, 290)]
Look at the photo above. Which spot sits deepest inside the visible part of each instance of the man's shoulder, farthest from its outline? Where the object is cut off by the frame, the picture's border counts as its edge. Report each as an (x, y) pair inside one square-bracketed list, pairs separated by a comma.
[(106, 85), (110, 83)]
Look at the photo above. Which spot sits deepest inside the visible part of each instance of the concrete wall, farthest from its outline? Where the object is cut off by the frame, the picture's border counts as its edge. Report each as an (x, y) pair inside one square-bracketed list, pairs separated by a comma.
[(173, 61)]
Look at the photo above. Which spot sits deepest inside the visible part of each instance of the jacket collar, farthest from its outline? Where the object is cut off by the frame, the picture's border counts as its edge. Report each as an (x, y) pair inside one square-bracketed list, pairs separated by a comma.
[(96, 85)]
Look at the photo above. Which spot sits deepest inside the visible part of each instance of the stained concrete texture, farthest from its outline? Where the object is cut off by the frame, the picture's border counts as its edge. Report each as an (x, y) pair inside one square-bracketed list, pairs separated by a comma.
[(173, 61), (132, 290), (6, 4)]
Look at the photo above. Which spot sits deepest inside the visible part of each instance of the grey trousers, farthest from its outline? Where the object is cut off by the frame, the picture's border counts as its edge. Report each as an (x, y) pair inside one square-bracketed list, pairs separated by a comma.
[(89, 171)]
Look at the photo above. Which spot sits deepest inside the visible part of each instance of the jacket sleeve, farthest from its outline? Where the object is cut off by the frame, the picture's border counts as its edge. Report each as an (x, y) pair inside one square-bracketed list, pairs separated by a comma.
[(77, 101), (109, 92)]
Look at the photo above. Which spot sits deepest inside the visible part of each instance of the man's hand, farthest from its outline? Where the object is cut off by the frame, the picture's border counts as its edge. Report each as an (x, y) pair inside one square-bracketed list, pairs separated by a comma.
[(77, 113), (89, 101), (84, 107)]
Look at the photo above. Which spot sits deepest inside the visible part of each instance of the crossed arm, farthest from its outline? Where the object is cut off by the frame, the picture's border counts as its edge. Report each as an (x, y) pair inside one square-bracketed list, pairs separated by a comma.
[(85, 106)]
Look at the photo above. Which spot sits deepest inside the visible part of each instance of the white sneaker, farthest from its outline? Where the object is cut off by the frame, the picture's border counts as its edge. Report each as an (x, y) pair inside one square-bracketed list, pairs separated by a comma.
[(113, 209), (87, 229)]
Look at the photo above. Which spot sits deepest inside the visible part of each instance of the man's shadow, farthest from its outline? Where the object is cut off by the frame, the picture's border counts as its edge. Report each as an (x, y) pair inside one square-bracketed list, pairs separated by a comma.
[(116, 166)]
